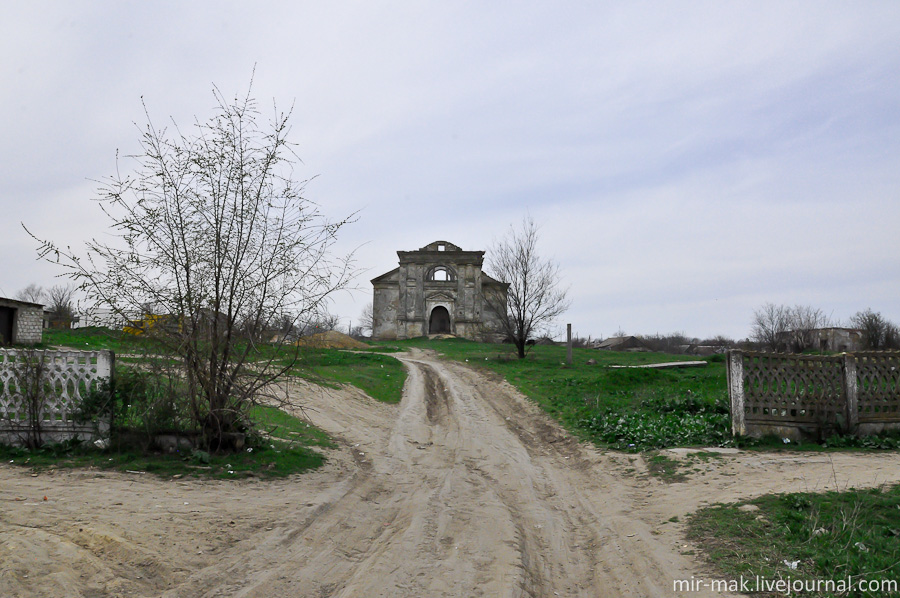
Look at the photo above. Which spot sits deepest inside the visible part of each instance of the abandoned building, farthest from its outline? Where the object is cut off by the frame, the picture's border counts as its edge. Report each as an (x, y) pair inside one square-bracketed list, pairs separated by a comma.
[(21, 322), (839, 340), (439, 289)]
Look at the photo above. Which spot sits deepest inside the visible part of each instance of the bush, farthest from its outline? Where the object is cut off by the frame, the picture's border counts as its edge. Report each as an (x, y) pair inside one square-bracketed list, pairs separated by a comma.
[(658, 423), (142, 403)]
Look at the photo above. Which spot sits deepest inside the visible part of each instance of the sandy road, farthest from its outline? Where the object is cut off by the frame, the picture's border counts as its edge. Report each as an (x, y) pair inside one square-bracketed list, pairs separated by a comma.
[(464, 489)]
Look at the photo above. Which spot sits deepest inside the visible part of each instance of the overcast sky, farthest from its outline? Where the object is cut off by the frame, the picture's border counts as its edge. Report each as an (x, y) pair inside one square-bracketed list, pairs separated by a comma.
[(687, 162)]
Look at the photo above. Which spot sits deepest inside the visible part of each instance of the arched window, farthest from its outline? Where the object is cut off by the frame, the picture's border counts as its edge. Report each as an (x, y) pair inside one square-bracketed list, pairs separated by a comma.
[(441, 274)]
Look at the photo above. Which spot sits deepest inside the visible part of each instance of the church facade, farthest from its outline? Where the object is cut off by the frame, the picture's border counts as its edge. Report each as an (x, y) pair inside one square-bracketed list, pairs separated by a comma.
[(439, 289)]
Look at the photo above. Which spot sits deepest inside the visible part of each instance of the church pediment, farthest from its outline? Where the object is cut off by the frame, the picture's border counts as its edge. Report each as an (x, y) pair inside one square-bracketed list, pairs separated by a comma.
[(392, 276), (440, 296)]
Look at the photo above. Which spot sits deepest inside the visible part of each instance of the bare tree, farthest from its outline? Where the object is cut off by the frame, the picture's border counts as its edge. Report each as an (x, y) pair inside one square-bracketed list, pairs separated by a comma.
[(213, 232), (770, 326), (61, 303), (32, 389), (878, 332), (804, 324), (534, 298), (33, 293), (367, 318), (785, 328)]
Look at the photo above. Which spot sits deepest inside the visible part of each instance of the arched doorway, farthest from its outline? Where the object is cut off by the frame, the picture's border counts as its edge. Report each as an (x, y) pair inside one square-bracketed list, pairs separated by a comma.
[(440, 321)]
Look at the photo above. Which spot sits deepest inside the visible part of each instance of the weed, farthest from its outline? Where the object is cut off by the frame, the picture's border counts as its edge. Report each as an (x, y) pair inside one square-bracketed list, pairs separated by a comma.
[(834, 535)]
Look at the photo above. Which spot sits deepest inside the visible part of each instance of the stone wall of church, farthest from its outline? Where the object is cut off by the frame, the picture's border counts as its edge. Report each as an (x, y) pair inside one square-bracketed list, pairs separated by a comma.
[(405, 299)]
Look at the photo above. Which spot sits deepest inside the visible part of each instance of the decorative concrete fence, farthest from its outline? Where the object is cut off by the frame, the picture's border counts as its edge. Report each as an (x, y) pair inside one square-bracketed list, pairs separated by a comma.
[(41, 391), (795, 396)]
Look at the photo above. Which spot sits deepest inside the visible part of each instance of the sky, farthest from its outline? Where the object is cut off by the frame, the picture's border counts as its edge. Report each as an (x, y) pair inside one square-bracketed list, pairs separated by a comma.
[(687, 162)]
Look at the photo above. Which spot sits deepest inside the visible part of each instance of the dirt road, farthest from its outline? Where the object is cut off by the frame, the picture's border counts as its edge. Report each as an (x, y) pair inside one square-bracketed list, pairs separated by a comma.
[(464, 489)]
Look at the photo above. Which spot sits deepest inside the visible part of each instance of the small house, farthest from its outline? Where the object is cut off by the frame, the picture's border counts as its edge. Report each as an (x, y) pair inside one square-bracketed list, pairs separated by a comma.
[(21, 322)]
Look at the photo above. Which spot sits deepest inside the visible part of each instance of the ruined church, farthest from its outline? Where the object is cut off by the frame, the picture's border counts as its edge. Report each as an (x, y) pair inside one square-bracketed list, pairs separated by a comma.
[(439, 289)]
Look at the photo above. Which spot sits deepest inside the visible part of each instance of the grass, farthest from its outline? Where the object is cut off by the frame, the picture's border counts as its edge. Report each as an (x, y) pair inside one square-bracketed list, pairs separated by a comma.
[(273, 459), (834, 535), (284, 446), (628, 409), (671, 470), (379, 376), (275, 423), (666, 468), (97, 339)]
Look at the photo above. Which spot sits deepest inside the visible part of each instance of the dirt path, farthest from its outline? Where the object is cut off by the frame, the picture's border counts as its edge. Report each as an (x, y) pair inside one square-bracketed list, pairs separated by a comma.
[(464, 489)]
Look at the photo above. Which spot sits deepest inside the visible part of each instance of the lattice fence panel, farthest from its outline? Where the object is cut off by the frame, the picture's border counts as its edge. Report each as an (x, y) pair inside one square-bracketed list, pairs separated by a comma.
[(68, 378), (792, 389), (878, 383)]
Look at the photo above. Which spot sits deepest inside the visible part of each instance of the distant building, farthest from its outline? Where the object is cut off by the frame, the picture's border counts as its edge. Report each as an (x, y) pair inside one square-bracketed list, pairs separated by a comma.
[(439, 289), (831, 340), (623, 343), (839, 340), (21, 322)]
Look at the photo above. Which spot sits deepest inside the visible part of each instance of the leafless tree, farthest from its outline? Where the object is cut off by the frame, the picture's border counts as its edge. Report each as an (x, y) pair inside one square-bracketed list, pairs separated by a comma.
[(804, 323), (33, 390), (367, 318), (786, 328), (33, 293), (213, 232), (534, 298), (770, 326), (61, 303), (878, 332)]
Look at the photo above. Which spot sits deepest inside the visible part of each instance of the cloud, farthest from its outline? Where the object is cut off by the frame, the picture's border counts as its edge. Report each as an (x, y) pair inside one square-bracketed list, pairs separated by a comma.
[(687, 163)]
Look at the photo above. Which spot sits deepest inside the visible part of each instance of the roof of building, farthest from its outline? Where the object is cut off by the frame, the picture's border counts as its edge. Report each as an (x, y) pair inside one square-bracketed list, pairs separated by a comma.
[(14, 302)]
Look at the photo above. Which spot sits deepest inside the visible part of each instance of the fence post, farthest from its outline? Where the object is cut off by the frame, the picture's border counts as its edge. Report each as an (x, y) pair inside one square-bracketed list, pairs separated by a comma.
[(569, 344), (851, 392), (735, 374)]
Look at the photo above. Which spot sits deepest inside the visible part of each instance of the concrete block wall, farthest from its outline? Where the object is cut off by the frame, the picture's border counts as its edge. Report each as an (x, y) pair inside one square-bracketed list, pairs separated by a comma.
[(29, 325)]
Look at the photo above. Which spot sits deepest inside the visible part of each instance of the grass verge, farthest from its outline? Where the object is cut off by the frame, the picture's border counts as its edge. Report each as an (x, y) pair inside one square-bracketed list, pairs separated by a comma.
[(284, 447), (379, 376), (804, 537)]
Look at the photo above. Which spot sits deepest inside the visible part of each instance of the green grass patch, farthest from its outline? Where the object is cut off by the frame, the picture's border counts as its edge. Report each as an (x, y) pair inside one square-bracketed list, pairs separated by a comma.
[(628, 409), (275, 423), (283, 448), (275, 460), (379, 376), (806, 536), (665, 468)]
